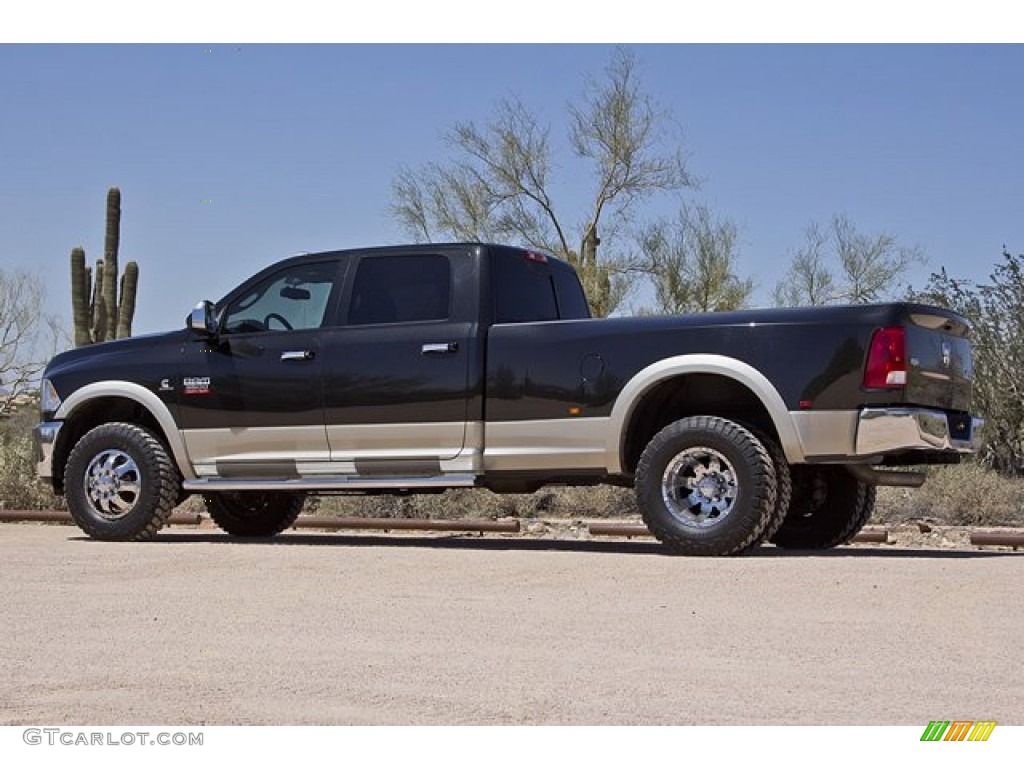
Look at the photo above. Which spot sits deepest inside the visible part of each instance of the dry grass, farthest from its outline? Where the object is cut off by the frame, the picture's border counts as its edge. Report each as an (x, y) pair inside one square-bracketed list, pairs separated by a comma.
[(599, 501), (964, 494), (19, 488)]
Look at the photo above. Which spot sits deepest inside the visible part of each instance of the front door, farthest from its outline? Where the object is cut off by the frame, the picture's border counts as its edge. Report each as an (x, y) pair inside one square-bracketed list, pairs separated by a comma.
[(251, 399)]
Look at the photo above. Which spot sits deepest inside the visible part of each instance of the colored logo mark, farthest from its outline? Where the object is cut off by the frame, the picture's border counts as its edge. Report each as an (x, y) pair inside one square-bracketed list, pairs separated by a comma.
[(958, 730)]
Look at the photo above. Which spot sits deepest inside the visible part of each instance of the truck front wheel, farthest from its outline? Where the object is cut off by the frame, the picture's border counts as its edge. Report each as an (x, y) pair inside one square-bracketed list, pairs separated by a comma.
[(120, 483), (706, 486), (828, 508), (250, 513)]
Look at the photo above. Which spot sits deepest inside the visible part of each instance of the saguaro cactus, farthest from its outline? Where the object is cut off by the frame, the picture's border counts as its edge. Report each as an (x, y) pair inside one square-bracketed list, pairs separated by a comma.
[(96, 311)]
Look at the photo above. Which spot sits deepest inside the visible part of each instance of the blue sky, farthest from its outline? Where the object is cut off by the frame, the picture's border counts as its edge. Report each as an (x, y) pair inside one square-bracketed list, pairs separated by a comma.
[(297, 145)]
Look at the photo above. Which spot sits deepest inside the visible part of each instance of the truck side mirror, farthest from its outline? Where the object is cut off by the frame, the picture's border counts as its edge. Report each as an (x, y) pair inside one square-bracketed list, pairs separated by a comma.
[(202, 319)]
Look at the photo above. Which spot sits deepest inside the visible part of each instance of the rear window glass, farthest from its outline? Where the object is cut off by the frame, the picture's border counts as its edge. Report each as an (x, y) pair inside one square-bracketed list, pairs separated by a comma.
[(528, 291)]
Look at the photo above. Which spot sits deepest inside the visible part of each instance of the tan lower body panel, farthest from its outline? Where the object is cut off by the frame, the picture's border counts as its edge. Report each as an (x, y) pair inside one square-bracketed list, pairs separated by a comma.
[(438, 440), (545, 444), (254, 445), (363, 449), (826, 433)]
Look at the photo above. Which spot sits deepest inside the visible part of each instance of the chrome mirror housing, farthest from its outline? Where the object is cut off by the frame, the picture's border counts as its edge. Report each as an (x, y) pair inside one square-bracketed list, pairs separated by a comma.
[(202, 319)]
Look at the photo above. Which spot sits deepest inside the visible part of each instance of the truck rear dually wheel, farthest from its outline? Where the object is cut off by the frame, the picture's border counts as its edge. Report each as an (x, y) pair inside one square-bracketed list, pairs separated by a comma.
[(828, 508), (120, 482), (706, 486), (254, 513), (783, 485)]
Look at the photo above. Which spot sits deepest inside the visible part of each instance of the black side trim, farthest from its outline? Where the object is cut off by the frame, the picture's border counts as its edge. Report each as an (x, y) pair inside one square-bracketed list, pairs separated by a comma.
[(260, 469), (398, 467)]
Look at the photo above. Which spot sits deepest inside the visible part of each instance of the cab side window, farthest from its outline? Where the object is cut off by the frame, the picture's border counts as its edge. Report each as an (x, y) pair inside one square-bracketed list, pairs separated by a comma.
[(400, 289), (293, 299)]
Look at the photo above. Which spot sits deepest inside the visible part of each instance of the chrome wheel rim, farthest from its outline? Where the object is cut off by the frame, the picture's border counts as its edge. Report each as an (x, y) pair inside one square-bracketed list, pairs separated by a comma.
[(699, 487), (113, 483)]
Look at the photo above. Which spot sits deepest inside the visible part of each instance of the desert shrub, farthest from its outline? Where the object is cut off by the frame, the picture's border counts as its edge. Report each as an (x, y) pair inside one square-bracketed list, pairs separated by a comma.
[(963, 494), (19, 487), (600, 501), (996, 311)]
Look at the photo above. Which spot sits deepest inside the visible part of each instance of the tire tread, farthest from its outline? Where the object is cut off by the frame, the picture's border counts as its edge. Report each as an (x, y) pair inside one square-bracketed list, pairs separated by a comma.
[(279, 517), (763, 490), (166, 481)]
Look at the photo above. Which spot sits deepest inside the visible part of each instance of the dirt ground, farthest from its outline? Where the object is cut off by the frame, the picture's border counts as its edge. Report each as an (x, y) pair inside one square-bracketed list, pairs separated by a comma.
[(316, 628)]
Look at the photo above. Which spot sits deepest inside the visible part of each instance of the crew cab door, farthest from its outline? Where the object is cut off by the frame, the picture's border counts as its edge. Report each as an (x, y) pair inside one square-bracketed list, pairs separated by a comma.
[(251, 397), (396, 369)]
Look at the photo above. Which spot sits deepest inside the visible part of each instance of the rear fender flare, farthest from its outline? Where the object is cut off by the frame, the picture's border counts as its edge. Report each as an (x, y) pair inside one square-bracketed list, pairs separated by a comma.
[(751, 378)]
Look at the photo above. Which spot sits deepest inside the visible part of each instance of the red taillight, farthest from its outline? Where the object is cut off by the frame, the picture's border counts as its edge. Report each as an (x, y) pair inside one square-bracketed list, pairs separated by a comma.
[(887, 361)]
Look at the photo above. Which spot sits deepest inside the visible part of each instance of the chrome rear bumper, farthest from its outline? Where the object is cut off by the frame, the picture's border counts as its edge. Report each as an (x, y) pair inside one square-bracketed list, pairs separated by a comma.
[(888, 430)]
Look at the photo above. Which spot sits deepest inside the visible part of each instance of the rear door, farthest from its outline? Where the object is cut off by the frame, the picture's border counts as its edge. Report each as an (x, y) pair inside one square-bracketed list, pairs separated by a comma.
[(396, 369)]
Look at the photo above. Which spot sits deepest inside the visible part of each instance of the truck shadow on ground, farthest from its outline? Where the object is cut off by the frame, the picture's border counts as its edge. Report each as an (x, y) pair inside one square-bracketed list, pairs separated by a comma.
[(518, 544)]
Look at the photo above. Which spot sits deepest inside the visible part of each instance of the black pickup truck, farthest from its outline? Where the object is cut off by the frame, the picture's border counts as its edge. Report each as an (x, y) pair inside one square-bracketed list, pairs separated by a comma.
[(414, 369)]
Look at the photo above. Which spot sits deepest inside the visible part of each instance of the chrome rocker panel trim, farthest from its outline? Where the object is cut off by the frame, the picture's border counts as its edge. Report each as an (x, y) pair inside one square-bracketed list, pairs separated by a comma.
[(353, 483)]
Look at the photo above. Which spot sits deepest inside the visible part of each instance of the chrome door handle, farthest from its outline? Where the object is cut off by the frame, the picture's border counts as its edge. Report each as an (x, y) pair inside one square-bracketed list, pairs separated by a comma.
[(305, 354), (440, 349)]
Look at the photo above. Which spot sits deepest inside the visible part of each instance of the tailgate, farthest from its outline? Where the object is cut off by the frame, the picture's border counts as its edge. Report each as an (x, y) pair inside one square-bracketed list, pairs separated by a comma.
[(940, 369)]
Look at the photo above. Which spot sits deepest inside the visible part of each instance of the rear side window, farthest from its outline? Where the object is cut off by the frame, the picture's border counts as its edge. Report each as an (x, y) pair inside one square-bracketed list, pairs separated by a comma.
[(400, 289), (527, 291), (572, 303)]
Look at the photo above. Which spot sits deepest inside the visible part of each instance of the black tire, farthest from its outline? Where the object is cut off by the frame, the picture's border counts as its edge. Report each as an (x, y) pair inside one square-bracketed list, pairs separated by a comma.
[(828, 508), (254, 513), (783, 485), (120, 483), (731, 482)]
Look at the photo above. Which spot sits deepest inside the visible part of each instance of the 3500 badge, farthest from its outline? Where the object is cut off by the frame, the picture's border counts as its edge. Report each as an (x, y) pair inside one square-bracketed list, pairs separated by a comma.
[(196, 385)]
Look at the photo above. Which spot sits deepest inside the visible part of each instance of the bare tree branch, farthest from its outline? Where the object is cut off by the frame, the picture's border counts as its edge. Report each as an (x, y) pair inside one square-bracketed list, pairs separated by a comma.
[(617, 129), (866, 268), (27, 337), (809, 282), (692, 262), (499, 184)]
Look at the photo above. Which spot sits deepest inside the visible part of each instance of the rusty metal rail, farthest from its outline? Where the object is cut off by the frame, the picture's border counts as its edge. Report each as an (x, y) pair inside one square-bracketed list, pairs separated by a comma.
[(406, 524), (627, 530), (304, 521), (630, 530), (998, 539), (57, 516), (618, 529), (871, 537)]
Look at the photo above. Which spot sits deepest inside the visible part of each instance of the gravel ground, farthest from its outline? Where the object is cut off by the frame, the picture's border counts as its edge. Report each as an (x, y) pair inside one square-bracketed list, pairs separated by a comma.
[(311, 628)]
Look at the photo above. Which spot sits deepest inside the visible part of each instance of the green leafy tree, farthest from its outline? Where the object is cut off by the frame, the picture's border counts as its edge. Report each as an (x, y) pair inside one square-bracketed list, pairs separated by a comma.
[(692, 263), (499, 186), (838, 264)]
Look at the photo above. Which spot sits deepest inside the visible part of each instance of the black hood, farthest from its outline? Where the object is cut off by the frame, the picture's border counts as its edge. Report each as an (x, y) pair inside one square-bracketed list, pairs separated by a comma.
[(111, 352)]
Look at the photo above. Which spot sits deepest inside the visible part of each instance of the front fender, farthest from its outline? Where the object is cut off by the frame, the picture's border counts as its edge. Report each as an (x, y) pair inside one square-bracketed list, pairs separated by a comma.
[(131, 391)]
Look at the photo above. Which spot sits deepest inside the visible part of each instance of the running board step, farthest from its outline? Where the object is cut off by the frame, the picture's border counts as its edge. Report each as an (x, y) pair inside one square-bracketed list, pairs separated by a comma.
[(331, 483)]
